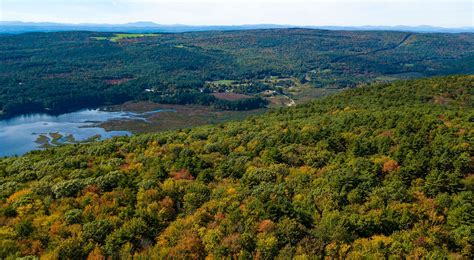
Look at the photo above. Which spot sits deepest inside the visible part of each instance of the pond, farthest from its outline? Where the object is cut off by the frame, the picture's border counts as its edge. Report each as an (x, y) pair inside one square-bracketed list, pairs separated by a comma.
[(25, 133)]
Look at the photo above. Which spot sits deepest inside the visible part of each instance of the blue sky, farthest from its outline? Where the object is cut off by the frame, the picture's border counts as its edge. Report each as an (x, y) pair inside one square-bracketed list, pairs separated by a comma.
[(446, 13)]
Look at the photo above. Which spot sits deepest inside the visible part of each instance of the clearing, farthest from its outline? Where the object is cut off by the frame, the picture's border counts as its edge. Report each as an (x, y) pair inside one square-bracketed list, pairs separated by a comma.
[(122, 36), (230, 96)]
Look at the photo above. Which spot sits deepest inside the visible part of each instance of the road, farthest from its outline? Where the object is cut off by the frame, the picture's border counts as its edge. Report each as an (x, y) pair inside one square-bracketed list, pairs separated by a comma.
[(374, 51)]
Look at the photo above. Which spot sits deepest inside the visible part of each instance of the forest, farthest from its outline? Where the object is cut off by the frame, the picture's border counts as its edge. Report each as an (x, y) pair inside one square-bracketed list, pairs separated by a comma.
[(65, 71), (378, 171)]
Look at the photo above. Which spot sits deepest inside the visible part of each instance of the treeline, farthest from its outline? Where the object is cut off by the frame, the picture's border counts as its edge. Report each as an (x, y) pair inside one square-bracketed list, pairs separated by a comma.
[(207, 99), (382, 171)]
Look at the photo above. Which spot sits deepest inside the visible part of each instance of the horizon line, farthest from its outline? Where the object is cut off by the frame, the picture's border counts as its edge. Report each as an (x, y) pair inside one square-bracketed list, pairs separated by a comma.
[(231, 25)]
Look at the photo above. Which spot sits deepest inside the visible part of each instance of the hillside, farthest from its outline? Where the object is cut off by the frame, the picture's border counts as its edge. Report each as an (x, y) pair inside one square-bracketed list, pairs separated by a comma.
[(64, 71), (379, 171)]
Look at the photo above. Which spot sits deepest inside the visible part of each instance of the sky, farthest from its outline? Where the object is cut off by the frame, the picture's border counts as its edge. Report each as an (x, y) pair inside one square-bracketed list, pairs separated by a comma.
[(444, 13)]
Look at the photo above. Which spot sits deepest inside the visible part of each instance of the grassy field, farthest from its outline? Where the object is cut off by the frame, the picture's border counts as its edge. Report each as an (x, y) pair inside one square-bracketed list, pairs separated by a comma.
[(295, 91), (230, 96), (279, 101), (306, 93), (227, 82), (122, 36)]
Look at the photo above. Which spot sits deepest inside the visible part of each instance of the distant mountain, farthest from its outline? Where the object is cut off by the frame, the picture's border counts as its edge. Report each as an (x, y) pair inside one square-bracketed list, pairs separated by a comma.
[(421, 28), (144, 26)]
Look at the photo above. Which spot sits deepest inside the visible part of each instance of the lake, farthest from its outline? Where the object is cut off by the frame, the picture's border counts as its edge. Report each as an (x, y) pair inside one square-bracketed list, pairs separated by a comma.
[(25, 133)]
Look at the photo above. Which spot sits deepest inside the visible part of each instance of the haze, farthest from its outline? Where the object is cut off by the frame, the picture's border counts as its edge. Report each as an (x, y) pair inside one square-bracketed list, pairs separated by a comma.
[(236, 12)]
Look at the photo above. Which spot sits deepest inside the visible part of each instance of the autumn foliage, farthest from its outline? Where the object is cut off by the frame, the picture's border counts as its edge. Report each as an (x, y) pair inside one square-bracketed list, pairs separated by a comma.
[(386, 178)]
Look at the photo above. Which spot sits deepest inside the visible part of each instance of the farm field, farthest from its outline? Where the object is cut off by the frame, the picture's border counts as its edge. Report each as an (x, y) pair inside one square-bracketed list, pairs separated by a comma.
[(121, 36)]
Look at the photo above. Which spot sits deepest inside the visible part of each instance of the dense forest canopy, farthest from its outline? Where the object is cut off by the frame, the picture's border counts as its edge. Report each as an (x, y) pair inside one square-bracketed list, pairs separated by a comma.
[(378, 171), (63, 71)]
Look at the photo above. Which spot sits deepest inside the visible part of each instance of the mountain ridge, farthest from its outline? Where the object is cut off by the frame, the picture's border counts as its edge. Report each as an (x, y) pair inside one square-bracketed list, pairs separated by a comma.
[(146, 26)]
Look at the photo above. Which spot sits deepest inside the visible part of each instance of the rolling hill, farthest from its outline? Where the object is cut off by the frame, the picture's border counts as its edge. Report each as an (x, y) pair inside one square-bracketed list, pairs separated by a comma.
[(381, 171), (64, 71)]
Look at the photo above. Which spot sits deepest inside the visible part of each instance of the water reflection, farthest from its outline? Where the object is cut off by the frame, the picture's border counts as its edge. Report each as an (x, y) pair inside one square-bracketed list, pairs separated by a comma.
[(21, 134)]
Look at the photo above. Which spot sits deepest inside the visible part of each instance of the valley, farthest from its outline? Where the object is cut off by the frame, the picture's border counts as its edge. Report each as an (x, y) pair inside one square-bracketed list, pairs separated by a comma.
[(63, 72)]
